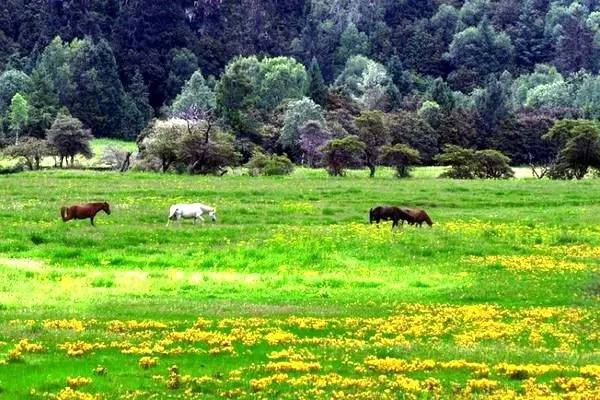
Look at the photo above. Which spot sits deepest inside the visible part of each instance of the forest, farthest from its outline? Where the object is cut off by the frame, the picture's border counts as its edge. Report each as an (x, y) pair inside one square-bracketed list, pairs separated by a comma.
[(339, 83)]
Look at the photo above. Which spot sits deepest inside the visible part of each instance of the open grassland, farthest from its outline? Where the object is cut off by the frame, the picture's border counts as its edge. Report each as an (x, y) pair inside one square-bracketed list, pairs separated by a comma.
[(293, 295)]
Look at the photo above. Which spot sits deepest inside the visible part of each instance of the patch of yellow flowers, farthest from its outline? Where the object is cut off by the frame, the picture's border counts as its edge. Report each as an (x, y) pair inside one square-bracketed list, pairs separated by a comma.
[(349, 357)]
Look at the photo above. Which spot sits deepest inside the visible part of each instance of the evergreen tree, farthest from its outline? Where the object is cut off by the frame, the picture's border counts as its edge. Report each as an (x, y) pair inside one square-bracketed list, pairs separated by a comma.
[(182, 65), (317, 90), (44, 102), (98, 90), (195, 94)]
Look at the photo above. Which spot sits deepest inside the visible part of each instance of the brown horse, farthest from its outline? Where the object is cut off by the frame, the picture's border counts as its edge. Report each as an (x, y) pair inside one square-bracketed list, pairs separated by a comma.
[(416, 216), (84, 211), (387, 213)]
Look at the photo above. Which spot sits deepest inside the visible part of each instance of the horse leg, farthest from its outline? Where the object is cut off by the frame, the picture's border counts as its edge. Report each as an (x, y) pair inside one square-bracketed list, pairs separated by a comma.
[(92, 221)]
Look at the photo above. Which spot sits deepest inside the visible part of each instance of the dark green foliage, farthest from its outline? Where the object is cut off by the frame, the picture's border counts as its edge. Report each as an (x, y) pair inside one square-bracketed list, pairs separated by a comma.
[(480, 50), (98, 95), (400, 156), (317, 90), (67, 137), (471, 164), (207, 150), (374, 133), (579, 143), (44, 103), (116, 64), (408, 128), (182, 65), (341, 154)]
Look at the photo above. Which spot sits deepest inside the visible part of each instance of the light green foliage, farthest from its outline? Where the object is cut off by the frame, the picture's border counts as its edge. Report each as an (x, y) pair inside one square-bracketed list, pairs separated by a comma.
[(588, 96), (556, 94), (366, 81), (11, 83), (296, 115), (543, 75), (269, 165), (18, 114), (248, 84), (352, 43), (431, 112), (195, 94), (281, 78)]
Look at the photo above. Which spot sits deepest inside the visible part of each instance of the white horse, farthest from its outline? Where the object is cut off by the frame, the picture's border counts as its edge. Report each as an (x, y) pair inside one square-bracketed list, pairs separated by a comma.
[(178, 212)]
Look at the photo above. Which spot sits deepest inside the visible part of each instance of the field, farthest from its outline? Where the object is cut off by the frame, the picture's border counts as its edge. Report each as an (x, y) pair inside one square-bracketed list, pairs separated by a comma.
[(292, 294)]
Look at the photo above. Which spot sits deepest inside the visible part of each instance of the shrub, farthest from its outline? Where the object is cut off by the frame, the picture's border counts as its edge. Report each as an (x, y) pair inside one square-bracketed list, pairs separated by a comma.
[(579, 142), (262, 164), (32, 150), (69, 138), (473, 164), (400, 156), (340, 154)]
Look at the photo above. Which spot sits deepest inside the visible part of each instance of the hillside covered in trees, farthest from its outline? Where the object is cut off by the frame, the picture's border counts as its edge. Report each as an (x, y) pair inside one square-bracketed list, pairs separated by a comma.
[(292, 76)]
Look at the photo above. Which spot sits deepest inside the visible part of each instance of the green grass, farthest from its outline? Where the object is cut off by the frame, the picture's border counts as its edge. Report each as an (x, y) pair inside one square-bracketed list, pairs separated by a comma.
[(97, 145), (298, 246)]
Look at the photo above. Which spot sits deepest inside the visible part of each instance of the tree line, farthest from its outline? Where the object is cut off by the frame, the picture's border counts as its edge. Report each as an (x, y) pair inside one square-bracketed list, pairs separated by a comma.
[(389, 82)]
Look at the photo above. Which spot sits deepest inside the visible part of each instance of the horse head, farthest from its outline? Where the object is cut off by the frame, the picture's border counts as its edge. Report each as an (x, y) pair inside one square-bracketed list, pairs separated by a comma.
[(106, 208), (213, 215)]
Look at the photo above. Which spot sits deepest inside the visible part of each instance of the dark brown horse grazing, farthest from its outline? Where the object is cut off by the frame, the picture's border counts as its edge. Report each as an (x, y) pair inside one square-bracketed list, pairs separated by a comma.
[(387, 213), (84, 211), (417, 217)]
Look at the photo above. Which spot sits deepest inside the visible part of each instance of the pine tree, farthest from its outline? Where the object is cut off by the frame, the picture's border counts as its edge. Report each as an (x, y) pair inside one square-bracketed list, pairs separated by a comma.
[(317, 90)]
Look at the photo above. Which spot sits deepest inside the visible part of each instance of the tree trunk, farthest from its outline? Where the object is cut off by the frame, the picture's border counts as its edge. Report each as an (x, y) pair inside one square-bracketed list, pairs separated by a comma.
[(372, 171), (125, 165), (60, 163)]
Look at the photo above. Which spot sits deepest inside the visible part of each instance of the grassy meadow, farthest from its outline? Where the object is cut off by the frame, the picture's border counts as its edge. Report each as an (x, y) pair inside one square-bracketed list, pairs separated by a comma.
[(292, 294)]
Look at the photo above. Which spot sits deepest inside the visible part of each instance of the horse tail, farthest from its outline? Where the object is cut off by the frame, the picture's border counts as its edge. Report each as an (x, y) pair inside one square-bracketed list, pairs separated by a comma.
[(371, 215), (64, 213)]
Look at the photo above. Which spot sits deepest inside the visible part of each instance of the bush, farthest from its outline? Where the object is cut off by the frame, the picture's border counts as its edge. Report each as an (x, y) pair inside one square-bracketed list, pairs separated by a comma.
[(340, 154), (473, 164), (402, 157), (262, 164), (31, 150), (69, 138), (207, 151), (579, 141)]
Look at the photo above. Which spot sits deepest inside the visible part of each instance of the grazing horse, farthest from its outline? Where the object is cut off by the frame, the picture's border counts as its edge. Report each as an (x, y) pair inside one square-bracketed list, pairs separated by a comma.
[(84, 211), (387, 213), (417, 217), (191, 211)]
